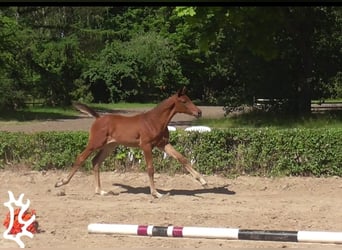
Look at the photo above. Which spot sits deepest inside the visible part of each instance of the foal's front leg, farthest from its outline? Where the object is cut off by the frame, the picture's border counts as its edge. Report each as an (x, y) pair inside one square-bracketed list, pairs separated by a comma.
[(150, 170), (175, 154), (97, 161)]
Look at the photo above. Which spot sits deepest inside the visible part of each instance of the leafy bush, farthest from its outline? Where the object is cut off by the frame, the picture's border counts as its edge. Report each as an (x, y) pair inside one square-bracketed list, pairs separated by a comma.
[(134, 69), (266, 151)]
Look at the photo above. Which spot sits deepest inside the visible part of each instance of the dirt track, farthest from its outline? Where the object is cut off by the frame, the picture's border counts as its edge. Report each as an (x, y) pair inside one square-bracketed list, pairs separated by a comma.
[(244, 202), (84, 122)]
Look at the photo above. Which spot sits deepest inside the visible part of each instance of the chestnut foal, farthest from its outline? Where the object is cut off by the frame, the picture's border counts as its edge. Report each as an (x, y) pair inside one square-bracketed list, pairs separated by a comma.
[(146, 131)]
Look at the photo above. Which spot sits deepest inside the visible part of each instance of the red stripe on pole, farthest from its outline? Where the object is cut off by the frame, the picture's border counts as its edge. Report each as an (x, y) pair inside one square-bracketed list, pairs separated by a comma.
[(142, 230), (177, 232)]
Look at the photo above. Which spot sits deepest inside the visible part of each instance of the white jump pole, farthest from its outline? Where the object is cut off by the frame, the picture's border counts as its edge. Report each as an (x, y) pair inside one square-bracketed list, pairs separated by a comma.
[(217, 233)]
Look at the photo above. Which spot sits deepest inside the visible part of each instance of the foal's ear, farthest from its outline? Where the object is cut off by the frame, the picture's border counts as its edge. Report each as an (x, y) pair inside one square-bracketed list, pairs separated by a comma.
[(181, 91)]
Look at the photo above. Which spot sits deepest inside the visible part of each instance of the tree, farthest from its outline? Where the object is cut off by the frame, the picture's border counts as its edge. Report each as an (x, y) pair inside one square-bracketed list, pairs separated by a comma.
[(59, 35), (225, 55), (142, 69), (284, 40), (14, 75), (59, 64)]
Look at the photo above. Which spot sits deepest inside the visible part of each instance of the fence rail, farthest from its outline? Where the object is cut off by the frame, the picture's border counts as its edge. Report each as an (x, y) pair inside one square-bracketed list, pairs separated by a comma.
[(323, 107), (320, 107)]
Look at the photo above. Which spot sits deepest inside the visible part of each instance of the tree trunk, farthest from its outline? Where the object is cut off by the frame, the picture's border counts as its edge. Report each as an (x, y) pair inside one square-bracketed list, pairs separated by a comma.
[(305, 76), (301, 29), (304, 90), (302, 102)]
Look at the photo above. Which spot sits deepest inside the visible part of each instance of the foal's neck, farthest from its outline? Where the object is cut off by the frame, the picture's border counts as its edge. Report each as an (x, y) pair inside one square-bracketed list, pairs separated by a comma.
[(162, 114)]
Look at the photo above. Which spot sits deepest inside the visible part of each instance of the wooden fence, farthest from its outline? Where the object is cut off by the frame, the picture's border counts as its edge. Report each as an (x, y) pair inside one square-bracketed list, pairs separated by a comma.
[(320, 107)]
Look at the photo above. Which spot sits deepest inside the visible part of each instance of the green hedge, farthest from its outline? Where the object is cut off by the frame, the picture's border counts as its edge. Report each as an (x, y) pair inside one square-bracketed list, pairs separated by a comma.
[(305, 152)]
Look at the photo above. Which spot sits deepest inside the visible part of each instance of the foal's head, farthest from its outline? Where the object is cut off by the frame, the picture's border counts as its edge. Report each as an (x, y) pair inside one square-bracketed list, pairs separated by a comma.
[(183, 104)]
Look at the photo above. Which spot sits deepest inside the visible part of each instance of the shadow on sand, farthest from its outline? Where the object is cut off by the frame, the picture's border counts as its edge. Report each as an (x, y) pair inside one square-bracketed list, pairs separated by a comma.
[(193, 192)]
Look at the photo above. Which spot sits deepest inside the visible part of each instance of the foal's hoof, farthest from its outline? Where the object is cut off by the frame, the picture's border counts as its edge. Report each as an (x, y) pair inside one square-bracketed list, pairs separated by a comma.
[(158, 195), (203, 182), (104, 193), (59, 183), (205, 185)]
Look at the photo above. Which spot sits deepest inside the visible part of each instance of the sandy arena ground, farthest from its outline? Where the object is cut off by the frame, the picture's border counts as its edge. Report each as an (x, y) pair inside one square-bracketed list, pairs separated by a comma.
[(245, 202)]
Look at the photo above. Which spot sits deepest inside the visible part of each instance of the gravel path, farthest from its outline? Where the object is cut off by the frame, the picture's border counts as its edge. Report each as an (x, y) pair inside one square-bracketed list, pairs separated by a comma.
[(84, 122)]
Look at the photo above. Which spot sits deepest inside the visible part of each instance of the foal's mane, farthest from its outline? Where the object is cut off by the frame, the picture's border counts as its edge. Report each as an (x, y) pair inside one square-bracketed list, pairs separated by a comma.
[(163, 104)]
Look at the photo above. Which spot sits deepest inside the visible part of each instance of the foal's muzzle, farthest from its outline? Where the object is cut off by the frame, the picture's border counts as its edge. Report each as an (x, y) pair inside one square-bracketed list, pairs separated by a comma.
[(198, 114)]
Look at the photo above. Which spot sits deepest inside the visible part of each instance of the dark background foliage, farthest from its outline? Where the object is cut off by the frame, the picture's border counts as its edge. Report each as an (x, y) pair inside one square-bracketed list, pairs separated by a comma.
[(225, 55)]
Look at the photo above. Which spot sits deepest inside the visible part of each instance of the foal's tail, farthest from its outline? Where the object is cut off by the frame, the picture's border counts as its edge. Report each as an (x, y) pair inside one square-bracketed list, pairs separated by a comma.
[(85, 109)]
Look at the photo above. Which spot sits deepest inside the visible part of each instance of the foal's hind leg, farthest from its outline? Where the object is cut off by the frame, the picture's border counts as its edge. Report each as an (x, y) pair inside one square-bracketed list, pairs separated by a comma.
[(150, 170), (78, 163), (97, 161), (96, 141), (175, 154)]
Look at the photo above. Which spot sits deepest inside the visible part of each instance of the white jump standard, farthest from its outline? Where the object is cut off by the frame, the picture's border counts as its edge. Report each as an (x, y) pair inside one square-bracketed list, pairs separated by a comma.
[(217, 233)]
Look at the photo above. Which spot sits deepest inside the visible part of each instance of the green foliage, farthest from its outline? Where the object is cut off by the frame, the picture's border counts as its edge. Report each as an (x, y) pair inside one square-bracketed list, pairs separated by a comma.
[(43, 150), (59, 63), (275, 52), (136, 69), (225, 55), (185, 11), (266, 151), (14, 75), (335, 88), (289, 152), (48, 146)]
